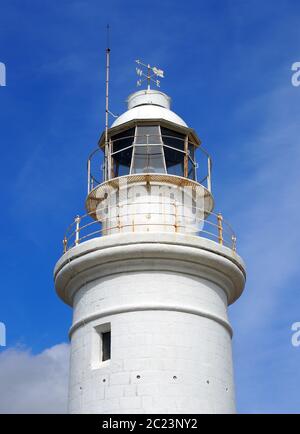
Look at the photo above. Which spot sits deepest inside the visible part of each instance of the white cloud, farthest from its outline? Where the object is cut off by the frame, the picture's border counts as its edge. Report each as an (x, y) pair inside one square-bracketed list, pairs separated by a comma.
[(34, 383)]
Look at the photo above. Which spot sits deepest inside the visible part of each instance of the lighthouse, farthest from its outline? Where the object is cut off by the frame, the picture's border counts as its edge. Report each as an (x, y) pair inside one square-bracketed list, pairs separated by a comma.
[(149, 271)]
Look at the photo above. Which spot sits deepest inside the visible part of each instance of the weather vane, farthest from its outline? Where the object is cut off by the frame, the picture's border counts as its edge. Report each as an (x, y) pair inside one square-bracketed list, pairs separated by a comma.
[(150, 74)]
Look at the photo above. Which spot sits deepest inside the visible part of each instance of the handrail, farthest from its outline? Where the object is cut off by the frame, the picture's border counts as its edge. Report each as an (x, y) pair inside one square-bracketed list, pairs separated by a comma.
[(200, 148), (93, 181), (213, 225)]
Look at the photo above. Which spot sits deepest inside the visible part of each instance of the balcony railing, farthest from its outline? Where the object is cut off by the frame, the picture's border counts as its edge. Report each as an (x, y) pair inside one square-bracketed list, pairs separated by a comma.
[(182, 151), (145, 217)]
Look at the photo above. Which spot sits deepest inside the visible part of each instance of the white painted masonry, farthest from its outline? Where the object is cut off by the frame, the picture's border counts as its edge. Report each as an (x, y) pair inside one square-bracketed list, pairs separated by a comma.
[(166, 297)]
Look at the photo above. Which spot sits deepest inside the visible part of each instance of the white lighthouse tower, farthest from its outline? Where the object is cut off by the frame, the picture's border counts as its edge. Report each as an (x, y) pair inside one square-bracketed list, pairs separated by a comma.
[(149, 272)]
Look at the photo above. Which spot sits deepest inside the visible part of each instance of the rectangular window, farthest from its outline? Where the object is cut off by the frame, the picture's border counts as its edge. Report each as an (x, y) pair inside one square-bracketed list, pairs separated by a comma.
[(101, 345), (106, 345)]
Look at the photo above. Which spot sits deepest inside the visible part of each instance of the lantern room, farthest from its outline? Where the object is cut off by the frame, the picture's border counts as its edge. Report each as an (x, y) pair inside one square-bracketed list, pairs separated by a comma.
[(149, 138), (149, 154)]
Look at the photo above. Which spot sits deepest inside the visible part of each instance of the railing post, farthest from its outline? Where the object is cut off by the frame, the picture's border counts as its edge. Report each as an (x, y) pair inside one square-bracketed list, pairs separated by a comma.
[(186, 157), (209, 174), (65, 244), (110, 165), (220, 229), (89, 175), (233, 243), (77, 230), (176, 217)]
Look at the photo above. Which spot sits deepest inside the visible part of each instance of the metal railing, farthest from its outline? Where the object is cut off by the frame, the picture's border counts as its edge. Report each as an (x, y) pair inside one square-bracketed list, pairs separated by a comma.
[(95, 163), (198, 223)]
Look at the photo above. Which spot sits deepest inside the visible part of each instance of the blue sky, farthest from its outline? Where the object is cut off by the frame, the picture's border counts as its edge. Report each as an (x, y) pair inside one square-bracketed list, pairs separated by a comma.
[(228, 71)]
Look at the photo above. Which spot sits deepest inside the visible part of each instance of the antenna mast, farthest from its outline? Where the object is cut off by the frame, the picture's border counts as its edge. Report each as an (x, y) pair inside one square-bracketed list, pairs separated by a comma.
[(107, 105)]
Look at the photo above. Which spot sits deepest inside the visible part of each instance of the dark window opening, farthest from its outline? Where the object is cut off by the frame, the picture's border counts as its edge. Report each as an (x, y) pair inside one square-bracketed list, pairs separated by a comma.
[(174, 161), (122, 159), (122, 140), (122, 162), (106, 346), (172, 138)]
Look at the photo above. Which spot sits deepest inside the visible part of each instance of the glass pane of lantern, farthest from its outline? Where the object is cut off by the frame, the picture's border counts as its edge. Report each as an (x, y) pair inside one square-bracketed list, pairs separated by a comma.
[(173, 138), (191, 166), (192, 151), (122, 162), (174, 161), (122, 159), (148, 159), (122, 140), (147, 134), (191, 170)]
